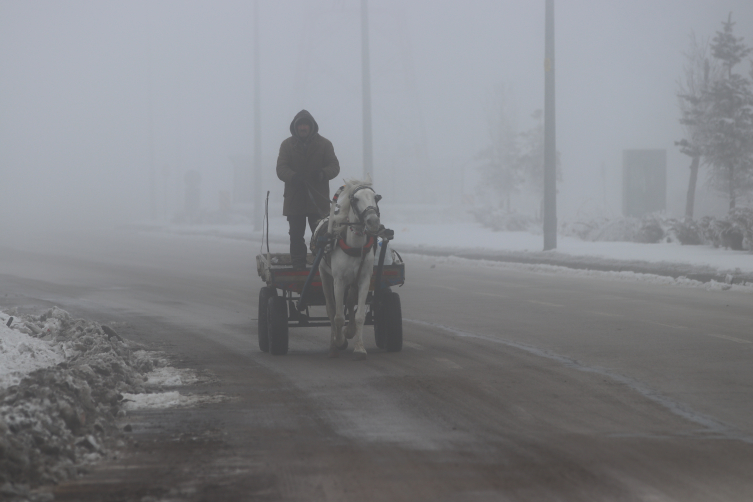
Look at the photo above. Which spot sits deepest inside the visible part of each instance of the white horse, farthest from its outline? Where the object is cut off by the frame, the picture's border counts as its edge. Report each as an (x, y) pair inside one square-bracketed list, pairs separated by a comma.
[(354, 220)]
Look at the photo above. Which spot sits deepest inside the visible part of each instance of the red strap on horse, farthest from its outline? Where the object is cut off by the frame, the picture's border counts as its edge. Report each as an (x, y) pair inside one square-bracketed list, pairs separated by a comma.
[(356, 251)]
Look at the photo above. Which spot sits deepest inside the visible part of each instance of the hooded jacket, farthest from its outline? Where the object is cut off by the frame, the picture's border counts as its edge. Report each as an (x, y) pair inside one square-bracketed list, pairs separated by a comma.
[(311, 156)]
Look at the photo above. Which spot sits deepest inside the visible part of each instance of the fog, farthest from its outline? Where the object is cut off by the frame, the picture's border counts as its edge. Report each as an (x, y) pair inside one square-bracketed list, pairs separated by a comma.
[(93, 95)]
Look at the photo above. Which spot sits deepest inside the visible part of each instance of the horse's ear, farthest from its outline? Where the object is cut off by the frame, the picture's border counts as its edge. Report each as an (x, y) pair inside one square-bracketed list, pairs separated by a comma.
[(377, 197)]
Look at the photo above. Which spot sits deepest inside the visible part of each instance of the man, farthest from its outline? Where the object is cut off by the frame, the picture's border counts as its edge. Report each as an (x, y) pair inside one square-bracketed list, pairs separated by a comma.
[(306, 163)]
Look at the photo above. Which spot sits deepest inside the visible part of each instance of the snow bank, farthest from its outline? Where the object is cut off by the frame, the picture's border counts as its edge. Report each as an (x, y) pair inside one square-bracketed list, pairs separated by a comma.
[(557, 270), (170, 399), (20, 354), (63, 383)]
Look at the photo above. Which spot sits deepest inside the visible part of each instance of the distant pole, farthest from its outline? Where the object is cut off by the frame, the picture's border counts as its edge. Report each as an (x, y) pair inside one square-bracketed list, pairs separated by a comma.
[(550, 144), (152, 170), (258, 216), (368, 159), (150, 104)]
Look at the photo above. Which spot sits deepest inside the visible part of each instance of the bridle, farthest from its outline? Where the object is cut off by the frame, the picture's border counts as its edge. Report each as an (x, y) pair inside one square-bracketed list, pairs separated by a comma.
[(362, 215)]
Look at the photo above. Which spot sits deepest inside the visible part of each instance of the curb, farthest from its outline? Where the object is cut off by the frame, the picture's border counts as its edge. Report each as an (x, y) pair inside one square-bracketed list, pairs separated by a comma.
[(581, 262)]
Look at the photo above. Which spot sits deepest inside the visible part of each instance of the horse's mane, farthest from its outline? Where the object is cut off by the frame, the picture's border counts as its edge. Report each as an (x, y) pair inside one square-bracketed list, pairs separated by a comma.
[(344, 200)]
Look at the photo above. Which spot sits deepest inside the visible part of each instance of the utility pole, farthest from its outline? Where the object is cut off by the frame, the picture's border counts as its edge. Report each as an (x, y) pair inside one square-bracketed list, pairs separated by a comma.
[(150, 112), (258, 216), (550, 144), (368, 157)]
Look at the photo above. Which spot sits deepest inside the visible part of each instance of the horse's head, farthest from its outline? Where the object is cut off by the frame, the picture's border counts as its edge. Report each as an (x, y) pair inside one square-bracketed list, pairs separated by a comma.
[(363, 203)]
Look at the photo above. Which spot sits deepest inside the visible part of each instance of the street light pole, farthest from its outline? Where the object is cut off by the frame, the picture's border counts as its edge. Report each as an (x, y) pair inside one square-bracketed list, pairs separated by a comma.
[(550, 144), (258, 216), (150, 112), (368, 160)]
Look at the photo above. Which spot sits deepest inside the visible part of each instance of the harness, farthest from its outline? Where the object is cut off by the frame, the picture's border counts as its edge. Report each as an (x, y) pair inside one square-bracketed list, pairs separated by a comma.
[(356, 252), (361, 215), (358, 227)]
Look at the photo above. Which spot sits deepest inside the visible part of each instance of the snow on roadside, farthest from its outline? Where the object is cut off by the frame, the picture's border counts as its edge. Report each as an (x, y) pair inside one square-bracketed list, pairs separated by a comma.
[(557, 270), (474, 237), (168, 376), (63, 383), (171, 399), (415, 234), (20, 354)]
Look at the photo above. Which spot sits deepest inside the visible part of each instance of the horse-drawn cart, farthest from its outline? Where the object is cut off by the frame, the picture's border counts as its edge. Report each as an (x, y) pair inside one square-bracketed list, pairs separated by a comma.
[(286, 300)]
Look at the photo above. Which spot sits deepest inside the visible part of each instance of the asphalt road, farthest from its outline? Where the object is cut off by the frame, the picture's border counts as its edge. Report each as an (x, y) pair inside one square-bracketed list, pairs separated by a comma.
[(510, 386)]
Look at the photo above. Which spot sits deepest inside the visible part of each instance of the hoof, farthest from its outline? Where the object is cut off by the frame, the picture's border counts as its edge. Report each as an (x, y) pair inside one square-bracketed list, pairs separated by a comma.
[(359, 356), (350, 333), (343, 346)]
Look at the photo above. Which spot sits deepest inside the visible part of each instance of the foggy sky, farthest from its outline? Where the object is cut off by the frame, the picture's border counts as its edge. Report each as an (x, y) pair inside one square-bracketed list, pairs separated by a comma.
[(87, 88)]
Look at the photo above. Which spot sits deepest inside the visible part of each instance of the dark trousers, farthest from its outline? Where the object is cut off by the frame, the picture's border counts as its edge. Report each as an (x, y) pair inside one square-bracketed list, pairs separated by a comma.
[(298, 248)]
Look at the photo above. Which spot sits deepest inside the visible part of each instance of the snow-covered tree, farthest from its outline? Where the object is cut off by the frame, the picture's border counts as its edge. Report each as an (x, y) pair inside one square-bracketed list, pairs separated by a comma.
[(699, 73), (728, 139)]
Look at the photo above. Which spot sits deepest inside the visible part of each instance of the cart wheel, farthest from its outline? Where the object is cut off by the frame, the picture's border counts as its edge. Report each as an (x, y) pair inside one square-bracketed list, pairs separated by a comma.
[(277, 322), (379, 323), (378, 331), (262, 329), (392, 322)]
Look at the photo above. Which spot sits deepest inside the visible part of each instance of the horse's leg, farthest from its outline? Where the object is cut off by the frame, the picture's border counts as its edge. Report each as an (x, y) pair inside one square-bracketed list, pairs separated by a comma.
[(359, 351), (329, 297), (350, 303), (339, 320)]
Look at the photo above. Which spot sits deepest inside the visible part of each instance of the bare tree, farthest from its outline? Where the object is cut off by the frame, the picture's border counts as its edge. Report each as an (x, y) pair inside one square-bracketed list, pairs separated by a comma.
[(513, 161), (531, 158), (501, 166)]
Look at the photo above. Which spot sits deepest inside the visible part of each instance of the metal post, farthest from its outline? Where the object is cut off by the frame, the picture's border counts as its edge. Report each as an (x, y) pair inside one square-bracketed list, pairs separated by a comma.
[(550, 144), (368, 160), (150, 112), (152, 170), (258, 213)]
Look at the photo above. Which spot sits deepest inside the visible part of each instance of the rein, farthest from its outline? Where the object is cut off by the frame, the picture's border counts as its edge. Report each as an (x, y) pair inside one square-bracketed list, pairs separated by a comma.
[(361, 215)]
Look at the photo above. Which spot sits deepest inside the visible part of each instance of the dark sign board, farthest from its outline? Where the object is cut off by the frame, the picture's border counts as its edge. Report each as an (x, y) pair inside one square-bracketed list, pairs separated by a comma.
[(644, 181)]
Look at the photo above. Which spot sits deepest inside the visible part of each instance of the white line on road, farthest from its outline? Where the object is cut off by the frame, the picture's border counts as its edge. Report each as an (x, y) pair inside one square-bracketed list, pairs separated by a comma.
[(603, 313), (414, 345), (492, 295), (665, 325), (729, 338), (441, 286), (675, 407), (545, 303), (449, 363), (465, 291)]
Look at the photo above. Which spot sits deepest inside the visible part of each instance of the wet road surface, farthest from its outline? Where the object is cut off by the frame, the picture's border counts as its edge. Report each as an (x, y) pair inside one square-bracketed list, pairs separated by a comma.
[(510, 385)]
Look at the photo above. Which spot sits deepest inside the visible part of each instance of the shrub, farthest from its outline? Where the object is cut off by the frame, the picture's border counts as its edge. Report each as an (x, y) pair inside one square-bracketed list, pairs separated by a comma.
[(650, 231), (734, 231), (742, 220), (688, 233)]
